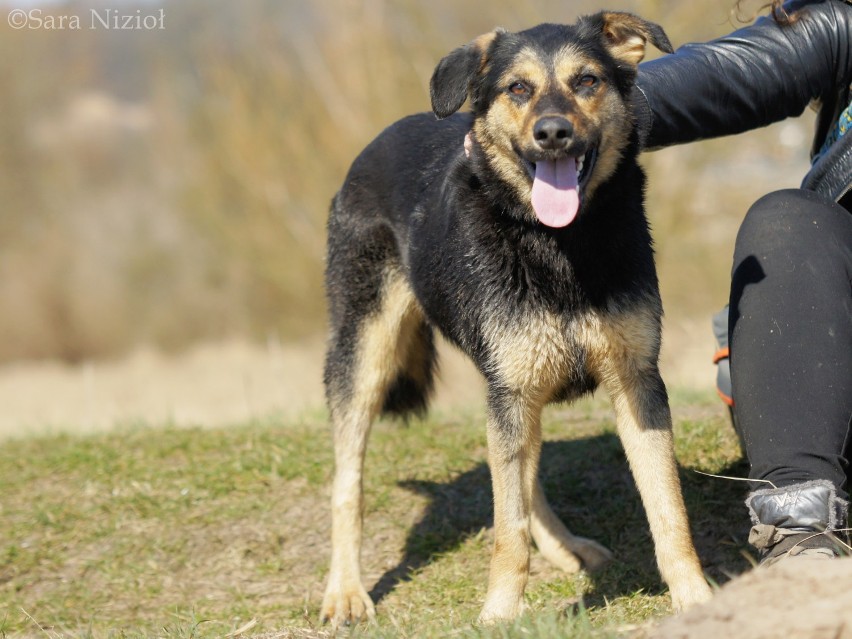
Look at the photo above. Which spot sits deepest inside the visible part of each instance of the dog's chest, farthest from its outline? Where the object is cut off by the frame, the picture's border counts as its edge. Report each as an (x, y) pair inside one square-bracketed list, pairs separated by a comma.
[(543, 353)]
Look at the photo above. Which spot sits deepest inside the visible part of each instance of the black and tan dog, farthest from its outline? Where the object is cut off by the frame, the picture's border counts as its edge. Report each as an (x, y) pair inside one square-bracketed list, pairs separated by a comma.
[(518, 231)]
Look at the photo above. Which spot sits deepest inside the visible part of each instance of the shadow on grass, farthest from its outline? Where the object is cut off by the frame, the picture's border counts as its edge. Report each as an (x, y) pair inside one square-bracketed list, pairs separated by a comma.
[(590, 487)]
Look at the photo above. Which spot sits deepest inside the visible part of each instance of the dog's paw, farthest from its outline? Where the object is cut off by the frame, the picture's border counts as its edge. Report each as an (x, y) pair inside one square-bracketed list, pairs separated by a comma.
[(688, 595), (592, 555), (503, 603), (345, 606), (572, 554), (493, 613)]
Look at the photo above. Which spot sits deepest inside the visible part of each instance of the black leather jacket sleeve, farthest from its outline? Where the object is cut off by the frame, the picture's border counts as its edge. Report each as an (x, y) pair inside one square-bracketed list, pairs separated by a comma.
[(753, 77)]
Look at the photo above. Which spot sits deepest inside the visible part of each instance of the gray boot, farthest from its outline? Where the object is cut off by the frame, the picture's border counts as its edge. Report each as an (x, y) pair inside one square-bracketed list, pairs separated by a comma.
[(802, 520)]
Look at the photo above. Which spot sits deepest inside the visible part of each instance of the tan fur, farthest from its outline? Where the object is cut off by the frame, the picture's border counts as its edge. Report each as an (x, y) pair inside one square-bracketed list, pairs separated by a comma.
[(482, 44), (514, 468), (568, 64), (530, 361), (532, 358), (504, 123), (501, 160), (632, 346), (621, 349), (553, 540), (507, 122), (612, 147), (386, 342), (526, 67), (628, 37)]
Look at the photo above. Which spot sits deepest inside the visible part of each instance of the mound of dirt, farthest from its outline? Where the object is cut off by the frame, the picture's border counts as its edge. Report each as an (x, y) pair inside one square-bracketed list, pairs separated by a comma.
[(801, 599)]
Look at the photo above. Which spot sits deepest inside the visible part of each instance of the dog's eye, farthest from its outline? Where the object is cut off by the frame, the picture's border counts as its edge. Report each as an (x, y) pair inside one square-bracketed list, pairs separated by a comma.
[(587, 81), (518, 88)]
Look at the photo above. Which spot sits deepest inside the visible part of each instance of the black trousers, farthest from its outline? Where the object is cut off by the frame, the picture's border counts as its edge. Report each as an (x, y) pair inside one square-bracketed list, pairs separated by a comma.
[(790, 331)]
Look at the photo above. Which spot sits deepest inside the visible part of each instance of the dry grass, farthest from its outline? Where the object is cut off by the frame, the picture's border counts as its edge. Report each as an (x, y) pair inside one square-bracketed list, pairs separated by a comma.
[(189, 533)]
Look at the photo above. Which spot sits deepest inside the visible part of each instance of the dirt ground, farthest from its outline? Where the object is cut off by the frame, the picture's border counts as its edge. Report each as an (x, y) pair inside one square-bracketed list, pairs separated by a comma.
[(236, 381), (801, 599)]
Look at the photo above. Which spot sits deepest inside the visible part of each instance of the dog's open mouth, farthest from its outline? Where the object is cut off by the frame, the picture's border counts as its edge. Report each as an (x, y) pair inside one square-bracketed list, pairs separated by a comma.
[(556, 187)]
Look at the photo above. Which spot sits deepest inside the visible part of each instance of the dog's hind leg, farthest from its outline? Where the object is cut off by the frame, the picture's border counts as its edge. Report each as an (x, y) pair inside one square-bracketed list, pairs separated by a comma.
[(368, 354), (556, 543), (644, 425)]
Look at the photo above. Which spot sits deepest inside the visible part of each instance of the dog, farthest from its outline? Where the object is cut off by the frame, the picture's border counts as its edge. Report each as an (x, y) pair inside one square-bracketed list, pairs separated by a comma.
[(518, 231)]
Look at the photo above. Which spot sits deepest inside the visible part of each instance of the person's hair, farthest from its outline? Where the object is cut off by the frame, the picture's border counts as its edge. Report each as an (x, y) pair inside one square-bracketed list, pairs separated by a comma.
[(776, 10)]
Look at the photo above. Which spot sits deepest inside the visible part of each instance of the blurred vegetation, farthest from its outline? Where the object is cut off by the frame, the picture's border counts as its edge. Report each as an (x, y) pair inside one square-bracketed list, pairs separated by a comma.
[(171, 186)]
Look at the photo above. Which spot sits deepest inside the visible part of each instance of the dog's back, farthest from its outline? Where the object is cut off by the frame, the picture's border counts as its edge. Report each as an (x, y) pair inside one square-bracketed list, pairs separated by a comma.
[(399, 171), (398, 176)]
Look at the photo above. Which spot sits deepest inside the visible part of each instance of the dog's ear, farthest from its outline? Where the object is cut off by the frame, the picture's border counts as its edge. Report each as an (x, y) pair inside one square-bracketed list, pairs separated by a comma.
[(452, 79), (627, 35)]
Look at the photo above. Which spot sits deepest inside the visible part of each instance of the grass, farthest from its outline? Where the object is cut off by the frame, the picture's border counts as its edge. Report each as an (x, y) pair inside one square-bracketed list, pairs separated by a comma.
[(201, 533)]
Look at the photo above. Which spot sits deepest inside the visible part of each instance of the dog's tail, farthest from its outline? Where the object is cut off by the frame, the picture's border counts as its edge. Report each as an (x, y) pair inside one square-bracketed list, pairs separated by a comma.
[(411, 389)]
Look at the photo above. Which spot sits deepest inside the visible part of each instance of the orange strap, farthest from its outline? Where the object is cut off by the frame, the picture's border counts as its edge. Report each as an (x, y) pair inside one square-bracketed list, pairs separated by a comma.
[(728, 400), (722, 353)]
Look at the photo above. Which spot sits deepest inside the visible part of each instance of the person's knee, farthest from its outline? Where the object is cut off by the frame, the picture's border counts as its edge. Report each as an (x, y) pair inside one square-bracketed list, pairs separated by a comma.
[(792, 220), (788, 235)]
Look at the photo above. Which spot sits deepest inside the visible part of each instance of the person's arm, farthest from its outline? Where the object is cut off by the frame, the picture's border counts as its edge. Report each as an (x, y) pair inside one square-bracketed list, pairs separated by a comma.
[(753, 77)]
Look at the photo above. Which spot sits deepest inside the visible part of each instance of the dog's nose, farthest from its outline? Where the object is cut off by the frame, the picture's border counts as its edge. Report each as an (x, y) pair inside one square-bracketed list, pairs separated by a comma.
[(552, 132)]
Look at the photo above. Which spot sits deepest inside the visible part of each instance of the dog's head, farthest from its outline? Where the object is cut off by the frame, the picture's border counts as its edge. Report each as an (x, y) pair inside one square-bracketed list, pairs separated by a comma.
[(550, 104)]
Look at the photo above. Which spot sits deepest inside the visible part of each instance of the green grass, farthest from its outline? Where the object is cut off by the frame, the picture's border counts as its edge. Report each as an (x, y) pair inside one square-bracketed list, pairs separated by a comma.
[(196, 533)]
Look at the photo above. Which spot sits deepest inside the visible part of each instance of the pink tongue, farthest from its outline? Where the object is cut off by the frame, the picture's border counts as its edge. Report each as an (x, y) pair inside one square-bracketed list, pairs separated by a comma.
[(555, 198)]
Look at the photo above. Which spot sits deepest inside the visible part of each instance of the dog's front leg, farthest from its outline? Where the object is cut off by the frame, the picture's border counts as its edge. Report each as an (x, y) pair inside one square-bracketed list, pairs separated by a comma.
[(514, 446), (645, 428)]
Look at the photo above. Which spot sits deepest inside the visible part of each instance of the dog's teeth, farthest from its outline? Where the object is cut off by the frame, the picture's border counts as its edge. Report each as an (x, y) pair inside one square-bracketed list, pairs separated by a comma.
[(579, 164)]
